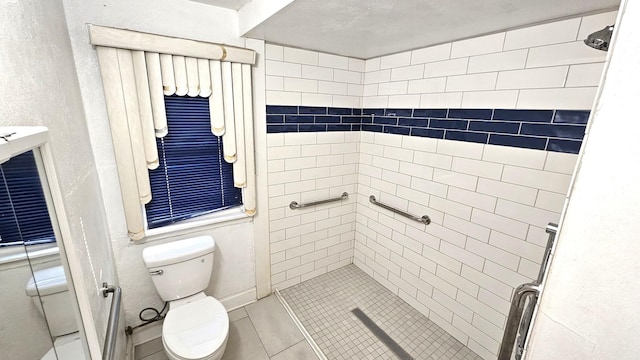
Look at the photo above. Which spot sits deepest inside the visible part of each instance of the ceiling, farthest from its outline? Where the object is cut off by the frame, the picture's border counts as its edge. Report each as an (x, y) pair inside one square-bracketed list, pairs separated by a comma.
[(371, 28), (229, 4)]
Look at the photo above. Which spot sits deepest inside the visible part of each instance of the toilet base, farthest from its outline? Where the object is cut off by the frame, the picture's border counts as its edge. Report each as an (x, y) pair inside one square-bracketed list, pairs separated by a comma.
[(215, 356)]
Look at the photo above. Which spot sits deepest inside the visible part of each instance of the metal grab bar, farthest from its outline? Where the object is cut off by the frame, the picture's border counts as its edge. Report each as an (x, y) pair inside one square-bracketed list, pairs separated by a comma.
[(515, 312), (423, 219), (294, 204), (112, 325), (552, 230), (516, 322)]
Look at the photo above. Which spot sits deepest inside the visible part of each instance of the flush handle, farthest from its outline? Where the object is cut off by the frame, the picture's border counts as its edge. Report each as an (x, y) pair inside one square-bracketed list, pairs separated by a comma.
[(156, 272)]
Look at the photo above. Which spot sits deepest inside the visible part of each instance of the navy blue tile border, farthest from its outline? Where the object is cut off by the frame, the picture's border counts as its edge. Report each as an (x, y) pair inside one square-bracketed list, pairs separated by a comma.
[(550, 130)]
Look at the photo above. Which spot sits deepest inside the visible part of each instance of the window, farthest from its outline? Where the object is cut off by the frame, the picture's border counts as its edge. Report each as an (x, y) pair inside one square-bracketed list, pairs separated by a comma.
[(24, 217), (192, 179), (138, 70)]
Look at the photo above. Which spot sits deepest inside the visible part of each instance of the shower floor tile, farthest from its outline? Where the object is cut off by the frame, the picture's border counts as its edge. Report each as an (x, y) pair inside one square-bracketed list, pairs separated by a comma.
[(324, 304)]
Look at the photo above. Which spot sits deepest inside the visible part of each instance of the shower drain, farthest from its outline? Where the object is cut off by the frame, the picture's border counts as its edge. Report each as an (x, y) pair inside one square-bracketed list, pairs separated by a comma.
[(381, 335)]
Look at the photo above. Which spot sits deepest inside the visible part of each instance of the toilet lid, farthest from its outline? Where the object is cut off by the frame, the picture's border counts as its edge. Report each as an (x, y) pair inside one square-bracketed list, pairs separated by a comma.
[(197, 329)]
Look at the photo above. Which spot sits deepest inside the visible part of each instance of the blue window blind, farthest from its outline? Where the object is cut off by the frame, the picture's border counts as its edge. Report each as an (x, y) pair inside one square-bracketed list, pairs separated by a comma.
[(23, 210), (193, 179)]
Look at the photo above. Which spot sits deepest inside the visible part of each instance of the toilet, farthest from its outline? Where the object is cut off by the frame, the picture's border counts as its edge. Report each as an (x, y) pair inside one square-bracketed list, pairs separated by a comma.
[(49, 292), (196, 326)]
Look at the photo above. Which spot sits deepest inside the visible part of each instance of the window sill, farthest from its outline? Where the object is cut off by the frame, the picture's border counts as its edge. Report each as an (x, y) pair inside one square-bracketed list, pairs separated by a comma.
[(16, 254), (195, 223)]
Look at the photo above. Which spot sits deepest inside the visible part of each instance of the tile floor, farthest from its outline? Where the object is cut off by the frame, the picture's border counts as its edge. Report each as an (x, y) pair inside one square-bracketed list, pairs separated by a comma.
[(264, 331), (324, 303), (259, 331)]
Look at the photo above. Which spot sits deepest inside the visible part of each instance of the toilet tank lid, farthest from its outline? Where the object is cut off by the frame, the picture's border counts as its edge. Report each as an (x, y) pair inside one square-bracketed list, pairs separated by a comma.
[(177, 251), (49, 281)]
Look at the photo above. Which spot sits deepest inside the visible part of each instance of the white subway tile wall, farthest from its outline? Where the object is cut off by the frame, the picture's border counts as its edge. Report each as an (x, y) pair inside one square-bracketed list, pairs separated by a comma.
[(488, 204), (304, 77), (463, 267), (542, 67), (305, 167), (488, 211)]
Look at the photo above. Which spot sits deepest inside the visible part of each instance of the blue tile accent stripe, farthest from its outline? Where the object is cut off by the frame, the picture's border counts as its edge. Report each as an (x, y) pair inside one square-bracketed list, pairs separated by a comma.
[(550, 130)]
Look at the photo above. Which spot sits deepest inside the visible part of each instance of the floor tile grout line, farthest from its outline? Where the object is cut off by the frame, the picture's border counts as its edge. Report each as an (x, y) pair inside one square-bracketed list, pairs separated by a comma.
[(256, 330), (280, 352), (314, 346)]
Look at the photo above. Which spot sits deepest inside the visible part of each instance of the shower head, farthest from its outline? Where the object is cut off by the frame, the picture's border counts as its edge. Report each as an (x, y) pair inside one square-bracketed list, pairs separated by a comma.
[(600, 39)]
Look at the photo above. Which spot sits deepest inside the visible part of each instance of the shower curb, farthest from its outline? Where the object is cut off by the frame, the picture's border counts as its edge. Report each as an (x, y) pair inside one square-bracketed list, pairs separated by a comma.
[(314, 346)]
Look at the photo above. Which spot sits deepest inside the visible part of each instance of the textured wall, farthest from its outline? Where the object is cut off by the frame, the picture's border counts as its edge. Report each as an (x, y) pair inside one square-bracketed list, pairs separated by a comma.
[(589, 303), (235, 261), (38, 67)]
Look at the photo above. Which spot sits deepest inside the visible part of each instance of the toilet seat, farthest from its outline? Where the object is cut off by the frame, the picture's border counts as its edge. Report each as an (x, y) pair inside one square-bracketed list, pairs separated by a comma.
[(197, 330)]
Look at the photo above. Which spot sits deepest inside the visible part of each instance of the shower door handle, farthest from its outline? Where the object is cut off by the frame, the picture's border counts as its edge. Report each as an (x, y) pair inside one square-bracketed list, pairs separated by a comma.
[(515, 320), (515, 314)]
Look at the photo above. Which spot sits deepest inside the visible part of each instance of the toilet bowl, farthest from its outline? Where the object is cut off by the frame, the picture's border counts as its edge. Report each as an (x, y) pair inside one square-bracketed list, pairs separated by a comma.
[(196, 326)]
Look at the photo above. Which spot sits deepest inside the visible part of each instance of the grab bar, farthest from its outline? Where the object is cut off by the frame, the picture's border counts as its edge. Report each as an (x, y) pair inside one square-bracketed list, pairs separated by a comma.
[(552, 230), (112, 324), (515, 312), (294, 204), (516, 322), (423, 219)]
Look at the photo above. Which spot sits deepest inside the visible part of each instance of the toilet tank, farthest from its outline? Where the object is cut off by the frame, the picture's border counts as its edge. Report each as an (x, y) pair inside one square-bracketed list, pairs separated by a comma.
[(180, 268), (51, 285)]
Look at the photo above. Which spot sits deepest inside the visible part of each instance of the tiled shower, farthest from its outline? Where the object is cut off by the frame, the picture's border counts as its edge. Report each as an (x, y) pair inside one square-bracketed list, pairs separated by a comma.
[(481, 135)]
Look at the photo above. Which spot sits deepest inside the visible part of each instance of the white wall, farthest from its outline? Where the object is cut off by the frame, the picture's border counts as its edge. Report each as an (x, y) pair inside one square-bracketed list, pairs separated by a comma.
[(539, 67), (234, 274), (589, 303), (38, 68)]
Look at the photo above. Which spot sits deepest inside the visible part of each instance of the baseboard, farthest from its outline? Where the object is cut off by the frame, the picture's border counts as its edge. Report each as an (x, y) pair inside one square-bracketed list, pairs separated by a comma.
[(147, 333), (131, 349), (239, 300)]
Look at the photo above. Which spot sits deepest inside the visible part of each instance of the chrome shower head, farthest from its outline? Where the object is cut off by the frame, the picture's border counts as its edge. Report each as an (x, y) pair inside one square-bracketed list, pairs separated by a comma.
[(600, 39)]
